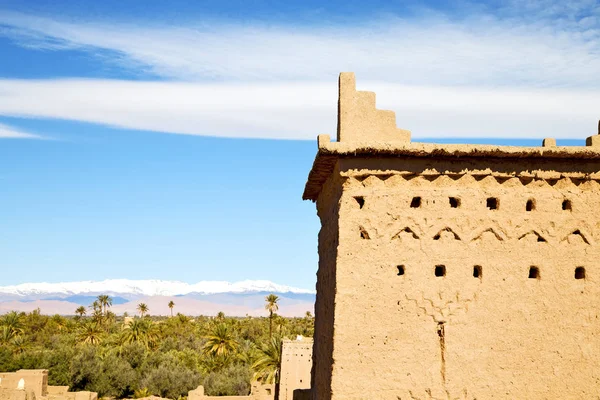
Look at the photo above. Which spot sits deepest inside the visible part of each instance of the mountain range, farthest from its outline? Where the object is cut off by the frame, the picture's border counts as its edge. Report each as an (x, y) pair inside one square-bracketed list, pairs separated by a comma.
[(202, 298)]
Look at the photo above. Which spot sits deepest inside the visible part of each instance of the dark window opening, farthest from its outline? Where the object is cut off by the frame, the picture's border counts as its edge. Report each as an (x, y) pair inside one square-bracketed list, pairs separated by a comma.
[(454, 202), (440, 270), (477, 271), (566, 205), (534, 273), (400, 270), (492, 203), (530, 205), (360, 200), (579, 273), (416, 202)]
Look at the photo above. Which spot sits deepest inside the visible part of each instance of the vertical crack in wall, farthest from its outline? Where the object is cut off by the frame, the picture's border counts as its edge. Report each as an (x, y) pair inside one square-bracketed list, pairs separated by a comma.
[(442, 337)]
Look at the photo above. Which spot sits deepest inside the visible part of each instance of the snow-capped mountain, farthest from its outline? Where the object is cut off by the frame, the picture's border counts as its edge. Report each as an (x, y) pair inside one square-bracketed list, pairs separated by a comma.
[(135, 288), (202, 298)]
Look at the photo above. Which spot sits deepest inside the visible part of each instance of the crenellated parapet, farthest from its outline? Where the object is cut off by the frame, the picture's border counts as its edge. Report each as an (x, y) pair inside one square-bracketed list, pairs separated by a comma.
[(360, 120)]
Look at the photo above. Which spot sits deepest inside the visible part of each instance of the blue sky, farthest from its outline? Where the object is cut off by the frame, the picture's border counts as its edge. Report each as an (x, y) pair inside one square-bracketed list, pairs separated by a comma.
[(171, 140)]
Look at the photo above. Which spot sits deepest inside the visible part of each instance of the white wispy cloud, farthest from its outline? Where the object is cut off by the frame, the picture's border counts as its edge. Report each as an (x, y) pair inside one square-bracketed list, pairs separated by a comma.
[(8, 132), (432, 49), (287, 110), (530, 68)]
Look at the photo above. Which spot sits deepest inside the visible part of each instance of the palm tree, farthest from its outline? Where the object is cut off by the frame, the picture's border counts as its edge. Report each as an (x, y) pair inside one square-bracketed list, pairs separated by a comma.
[(6, 334), (143, 309), (141, 331), (90, 333), (13, 321), (220, 342), (221, 315), (96, 311), (97, 315), (80, 311), (171, 305), (271, 307), (268, 365), (105, 302), (18, 344), (110, 318)]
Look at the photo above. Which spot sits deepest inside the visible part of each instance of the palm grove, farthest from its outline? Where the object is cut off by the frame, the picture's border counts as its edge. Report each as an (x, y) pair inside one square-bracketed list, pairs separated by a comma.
[(136, 357)]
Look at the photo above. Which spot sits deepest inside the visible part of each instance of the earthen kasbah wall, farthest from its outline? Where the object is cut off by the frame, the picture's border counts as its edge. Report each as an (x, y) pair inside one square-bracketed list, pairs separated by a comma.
[(296, 364), (453, 271), (32, 384)]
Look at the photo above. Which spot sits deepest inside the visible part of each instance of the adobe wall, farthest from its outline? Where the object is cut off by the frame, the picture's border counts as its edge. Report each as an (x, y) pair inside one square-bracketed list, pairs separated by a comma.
[(296, 364), (460, 272), (33, 385), (257, 392), (34, 381), (327, 209), (498, 335)]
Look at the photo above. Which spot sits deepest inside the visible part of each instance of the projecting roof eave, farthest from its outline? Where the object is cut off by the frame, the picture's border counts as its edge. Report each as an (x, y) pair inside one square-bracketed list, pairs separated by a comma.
[(329, 152)]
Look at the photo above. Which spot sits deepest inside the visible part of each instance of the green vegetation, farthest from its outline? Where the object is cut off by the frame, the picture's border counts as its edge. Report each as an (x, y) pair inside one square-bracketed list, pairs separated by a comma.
[(163, 356), (272, 307)]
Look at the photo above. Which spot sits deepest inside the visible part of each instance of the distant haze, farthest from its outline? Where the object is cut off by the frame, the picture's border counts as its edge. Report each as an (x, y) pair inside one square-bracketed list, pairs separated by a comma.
[(204, 298)]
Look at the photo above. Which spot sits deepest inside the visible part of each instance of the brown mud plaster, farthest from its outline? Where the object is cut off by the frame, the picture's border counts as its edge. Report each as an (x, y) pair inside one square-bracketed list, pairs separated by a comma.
[(425, 257)]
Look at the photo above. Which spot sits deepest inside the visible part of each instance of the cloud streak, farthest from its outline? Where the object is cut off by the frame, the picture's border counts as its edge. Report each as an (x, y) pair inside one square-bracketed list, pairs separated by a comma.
[(291, 110), (481, 49), (528, 69), (8, 132)]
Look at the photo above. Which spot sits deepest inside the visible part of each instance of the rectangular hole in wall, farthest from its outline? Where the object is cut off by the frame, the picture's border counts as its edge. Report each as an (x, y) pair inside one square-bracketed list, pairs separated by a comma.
[(579, 273), (415, 202), (492, 203), (566, 205), (477, 271), (400, 270), (534, 273), (530, 206), (454, 202), (440, 270)]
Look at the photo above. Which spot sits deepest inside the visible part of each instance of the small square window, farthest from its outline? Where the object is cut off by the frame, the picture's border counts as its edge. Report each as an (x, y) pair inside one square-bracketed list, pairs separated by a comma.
[(530, 206), (454, 202), (400, 270), (477, 271), (492, 203), (534, 273), (579, 273), (415, 203), (566, 205), (440, 270)]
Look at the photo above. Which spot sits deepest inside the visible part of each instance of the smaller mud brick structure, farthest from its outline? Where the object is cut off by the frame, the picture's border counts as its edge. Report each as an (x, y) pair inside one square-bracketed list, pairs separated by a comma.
[(453, 271)]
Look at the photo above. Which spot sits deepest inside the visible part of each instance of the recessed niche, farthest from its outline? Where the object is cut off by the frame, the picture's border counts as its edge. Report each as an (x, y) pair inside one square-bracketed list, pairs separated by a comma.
[(566, 205), (492, 203), (454, 202), (400, 270), (440, 270), (530, 206), (579, 273), (534, 273), (360, 200), (416, 202), (477, 272)]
